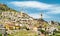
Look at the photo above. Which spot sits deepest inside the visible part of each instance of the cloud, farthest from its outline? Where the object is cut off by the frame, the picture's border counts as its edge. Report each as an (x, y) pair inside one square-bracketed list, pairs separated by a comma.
[(33, 4), (54, 9)]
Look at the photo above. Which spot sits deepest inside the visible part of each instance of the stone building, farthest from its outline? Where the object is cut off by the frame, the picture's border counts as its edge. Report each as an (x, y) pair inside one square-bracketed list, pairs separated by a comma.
[(2, 30)]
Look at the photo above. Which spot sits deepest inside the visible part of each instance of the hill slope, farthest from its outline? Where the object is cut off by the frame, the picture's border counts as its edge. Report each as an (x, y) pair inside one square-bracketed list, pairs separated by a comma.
[(4, 7), (9, 15)]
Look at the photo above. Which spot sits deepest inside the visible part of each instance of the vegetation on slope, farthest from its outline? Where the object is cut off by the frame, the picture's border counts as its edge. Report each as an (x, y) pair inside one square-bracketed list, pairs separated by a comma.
[(4, 7)]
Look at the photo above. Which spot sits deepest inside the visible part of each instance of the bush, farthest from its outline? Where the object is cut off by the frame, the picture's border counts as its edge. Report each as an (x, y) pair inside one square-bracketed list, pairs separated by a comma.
[(0, 34), (42, 31)]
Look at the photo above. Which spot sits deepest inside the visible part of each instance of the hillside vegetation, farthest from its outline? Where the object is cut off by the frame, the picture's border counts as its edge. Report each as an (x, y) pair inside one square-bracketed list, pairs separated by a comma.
[(4, 7)]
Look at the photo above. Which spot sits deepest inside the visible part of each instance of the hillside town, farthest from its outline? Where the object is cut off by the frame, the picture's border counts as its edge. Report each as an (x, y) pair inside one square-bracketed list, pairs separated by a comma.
[(12, 22)]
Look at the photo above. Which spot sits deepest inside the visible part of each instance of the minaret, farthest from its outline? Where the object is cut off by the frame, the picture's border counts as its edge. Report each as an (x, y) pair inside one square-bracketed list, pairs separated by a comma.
[(41, 16)]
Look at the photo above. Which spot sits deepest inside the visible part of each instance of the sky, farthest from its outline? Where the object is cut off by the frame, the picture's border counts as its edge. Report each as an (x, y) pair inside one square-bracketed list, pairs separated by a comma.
[(49, 8)]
